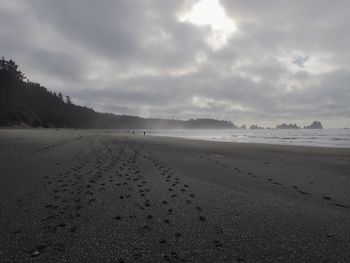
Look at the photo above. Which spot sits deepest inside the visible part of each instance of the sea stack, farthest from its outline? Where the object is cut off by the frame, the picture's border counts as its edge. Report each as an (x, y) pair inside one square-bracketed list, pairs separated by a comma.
[(287, 126), (314, 125), (255, 127)]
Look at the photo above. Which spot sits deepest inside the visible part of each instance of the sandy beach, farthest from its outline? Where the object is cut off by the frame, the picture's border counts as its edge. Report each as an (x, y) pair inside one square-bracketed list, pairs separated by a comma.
[(105, 196)]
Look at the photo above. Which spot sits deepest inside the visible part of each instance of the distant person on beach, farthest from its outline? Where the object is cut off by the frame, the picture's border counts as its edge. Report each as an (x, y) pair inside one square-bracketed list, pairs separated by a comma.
[(133, 132), (144, 133)]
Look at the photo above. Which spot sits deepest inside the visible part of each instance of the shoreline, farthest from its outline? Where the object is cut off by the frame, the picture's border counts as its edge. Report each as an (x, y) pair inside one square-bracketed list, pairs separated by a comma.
[(253, 143), (125, 132)]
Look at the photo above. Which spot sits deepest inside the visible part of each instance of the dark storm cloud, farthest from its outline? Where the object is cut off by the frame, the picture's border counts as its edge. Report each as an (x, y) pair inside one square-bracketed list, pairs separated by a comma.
[(288, 60)]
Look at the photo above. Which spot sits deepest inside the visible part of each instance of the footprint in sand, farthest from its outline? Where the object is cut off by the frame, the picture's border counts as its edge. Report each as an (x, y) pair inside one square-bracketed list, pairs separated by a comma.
[(199, 209), (18, 231), (241, 260), (341, 205), (146, 227), (73, 229), (170, 211), (202, 219), (217, 244), (304, 193), (177, 235)]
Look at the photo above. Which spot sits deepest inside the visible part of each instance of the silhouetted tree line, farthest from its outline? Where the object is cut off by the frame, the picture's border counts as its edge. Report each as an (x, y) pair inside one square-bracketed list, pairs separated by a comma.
[(23, 102)]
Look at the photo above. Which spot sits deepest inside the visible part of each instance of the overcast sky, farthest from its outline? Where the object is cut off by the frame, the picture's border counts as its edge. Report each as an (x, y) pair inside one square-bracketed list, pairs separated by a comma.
[(251, 61)]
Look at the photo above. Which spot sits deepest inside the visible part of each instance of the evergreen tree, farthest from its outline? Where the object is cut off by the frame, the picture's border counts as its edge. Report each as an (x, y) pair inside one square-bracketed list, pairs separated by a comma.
[(68, 100), (60, 96)]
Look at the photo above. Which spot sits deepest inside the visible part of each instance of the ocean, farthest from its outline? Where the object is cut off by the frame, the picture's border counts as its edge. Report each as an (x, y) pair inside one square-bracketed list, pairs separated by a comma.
[(339, 138)]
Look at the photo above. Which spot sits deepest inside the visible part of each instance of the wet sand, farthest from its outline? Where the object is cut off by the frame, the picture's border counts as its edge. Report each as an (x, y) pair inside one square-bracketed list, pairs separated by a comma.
[(101, 196)]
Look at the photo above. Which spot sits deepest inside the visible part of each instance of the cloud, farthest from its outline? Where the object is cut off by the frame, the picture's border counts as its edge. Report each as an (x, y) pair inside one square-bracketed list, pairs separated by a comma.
[(286, 60)]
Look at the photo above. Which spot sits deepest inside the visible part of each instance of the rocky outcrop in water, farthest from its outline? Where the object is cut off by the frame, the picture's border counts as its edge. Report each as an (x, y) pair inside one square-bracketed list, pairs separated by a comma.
[(255, 127), (287, 126), (314, 125)]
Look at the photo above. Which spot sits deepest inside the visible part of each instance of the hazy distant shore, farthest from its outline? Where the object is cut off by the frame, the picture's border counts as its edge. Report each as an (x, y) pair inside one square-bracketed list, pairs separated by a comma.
[(100, 195)]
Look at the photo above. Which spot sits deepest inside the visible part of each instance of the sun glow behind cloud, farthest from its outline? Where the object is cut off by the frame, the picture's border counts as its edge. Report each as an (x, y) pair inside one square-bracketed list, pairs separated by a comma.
[(211, 13)]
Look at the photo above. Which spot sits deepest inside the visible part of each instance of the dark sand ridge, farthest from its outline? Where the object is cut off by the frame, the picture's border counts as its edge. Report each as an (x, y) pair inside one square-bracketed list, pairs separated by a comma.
[(97, 196)]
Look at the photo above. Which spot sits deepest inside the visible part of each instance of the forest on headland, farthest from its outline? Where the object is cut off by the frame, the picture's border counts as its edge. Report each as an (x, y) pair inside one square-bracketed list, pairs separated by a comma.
[(28, 104)]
